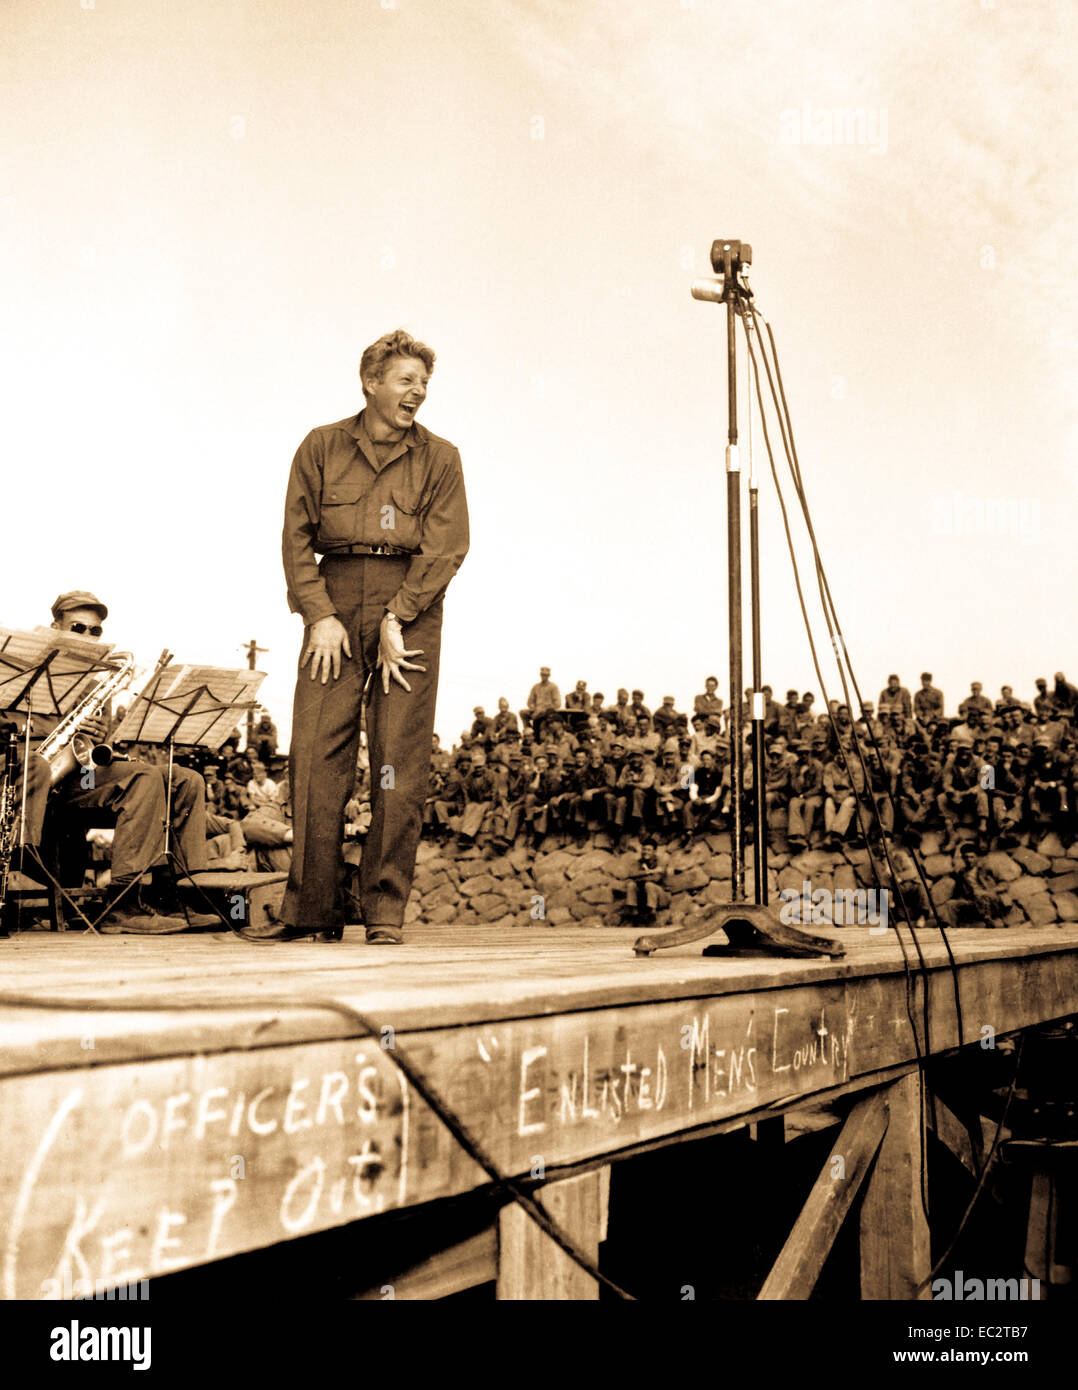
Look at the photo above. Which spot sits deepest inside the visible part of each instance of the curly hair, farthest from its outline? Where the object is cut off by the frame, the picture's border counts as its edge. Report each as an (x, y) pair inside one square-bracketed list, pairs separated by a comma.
[(389, 345)]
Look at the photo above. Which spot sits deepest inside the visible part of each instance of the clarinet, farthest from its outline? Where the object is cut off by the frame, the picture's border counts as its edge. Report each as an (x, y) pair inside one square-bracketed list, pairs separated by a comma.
[(9, 812)]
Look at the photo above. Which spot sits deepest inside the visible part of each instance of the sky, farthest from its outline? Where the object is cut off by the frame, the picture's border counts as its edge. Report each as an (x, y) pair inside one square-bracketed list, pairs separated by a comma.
[(209, 208)]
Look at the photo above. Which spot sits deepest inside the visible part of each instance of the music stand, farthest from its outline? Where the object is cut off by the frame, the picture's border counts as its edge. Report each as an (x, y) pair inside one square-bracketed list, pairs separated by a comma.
[(195, 706), (44, 672)]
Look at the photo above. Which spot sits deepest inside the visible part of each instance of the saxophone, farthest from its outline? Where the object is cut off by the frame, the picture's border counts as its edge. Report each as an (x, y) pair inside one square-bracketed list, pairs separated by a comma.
[(66, 748)]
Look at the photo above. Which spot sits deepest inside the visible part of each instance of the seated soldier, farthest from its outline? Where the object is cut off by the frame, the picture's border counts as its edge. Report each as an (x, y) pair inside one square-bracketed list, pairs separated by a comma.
[(806, 801), (701, 811), (644, 893), (975, 900), (779, 769), (918, 791), (504, 720), (1046, 796), (842, 787), (673, 778), (509, 801), (449, 807), (435, 790), (134, 792), (589, 807), (961, 793), (480, 791), (621, 713), (632, 794), (268, 830), (545, 784)]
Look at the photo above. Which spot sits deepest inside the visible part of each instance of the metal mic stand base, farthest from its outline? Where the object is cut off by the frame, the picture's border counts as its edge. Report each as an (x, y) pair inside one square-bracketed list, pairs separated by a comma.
[(752, 929)]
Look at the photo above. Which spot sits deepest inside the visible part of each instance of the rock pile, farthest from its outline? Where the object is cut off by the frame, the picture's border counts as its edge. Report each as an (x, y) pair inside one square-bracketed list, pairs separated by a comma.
[(583, 884)]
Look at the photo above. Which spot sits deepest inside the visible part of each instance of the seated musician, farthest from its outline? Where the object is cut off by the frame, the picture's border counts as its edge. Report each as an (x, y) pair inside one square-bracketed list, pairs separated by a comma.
[(134, 792)]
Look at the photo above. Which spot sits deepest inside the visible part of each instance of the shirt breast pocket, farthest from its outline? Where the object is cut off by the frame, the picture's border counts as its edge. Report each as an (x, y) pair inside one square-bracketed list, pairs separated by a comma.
[(339, 519), (402, 521)]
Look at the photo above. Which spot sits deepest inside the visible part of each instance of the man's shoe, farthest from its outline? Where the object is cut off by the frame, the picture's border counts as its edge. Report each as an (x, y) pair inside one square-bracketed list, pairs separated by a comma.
[(132, 920), (385, 936), (204, 920), (279, 931)]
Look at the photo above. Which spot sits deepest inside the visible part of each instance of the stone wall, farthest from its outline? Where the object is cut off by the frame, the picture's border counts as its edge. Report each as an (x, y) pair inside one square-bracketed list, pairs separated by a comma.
[(583, 884)]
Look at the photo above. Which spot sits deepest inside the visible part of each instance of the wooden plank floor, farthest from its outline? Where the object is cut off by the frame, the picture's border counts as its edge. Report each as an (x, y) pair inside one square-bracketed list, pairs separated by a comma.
[(443, 976), (197, 1101)]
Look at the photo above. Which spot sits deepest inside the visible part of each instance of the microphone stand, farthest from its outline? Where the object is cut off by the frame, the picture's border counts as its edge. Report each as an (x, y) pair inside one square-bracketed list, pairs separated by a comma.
[(752, 929), (759, 768)]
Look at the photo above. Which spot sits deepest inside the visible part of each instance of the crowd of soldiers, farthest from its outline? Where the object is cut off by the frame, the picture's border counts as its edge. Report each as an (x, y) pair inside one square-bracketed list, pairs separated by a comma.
[(1003, 767)]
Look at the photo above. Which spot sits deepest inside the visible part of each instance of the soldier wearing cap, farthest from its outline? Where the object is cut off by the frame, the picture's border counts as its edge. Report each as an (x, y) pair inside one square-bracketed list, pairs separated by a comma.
[(806, 800), (632, 794), (131, 790), (509, 740), (1046, 796), (449, 806), (383, 500), (480, 729), (975, 700), (616, 759), (639, 709), (895, 695), (673, 781), (975, 899), (589, 809), (509, 800), (961, 791), (621, 712), (665, 717), (928, 701), (480, 784), (1042, 701), (543, 697), (918, 790), (544, 785), (578, 698), (503, 721)]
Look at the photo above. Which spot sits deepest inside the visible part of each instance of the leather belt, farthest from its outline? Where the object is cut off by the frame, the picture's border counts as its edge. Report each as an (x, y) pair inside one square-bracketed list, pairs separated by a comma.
[(368, 550)]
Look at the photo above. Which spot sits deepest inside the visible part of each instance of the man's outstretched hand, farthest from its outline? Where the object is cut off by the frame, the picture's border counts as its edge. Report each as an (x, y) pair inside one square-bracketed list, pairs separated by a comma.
[(392, 654), (328, 638)]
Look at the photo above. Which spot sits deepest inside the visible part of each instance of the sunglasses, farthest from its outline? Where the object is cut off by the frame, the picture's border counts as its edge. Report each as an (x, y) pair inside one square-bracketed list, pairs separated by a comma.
[(94, 631)]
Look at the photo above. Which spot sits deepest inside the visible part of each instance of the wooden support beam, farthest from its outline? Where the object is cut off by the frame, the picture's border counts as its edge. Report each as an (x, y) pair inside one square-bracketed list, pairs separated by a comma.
[(530, 1265), (895, 1251), (462, 1266), (955, 1135), (1047, 1194), (802, 1258)]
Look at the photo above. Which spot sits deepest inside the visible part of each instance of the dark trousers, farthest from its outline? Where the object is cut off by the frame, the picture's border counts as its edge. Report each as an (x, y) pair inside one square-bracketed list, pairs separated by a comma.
[(325, 743), (135, 792)]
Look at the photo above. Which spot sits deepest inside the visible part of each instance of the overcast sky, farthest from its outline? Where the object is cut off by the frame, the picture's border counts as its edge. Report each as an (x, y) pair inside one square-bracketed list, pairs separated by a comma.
[(210, 208)]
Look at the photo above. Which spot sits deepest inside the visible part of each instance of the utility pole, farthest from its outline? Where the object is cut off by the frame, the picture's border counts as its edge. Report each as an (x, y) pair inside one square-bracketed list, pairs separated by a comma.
[(252, 648)]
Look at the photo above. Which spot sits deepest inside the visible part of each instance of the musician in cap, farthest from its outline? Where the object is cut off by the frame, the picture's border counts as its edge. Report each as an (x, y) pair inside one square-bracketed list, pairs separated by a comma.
[(131, 790), (382, 500)]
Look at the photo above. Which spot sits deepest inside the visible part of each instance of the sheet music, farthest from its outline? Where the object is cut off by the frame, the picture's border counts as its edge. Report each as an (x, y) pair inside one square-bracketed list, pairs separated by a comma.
[(190, 704), (77, 664)]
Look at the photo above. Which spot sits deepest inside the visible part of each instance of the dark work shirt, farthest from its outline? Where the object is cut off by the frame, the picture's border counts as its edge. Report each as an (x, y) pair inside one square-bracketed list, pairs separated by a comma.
[(339, 494)]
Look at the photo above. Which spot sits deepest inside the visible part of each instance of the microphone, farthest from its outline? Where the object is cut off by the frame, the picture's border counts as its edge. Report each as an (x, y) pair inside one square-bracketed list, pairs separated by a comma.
[(710, 288)]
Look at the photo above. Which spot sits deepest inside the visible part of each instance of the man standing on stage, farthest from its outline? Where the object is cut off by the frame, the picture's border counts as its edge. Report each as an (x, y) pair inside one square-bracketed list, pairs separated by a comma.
[(382, 500)]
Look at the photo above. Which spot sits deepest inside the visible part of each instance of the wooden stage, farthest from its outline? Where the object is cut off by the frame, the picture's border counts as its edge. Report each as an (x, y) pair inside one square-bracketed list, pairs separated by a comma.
[(204, 1103)]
